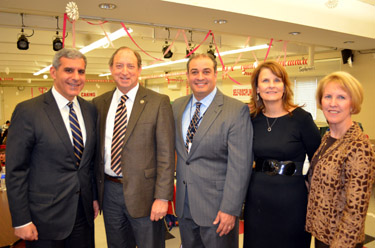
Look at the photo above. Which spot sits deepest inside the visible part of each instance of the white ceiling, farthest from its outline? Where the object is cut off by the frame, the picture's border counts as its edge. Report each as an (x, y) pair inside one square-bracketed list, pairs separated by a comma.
[(325, 28)]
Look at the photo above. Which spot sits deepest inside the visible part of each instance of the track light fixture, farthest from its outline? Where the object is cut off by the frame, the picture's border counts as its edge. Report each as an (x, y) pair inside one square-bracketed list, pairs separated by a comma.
[(211, 50), (169, 54), (57, 43), (22, 42), (190, 47)]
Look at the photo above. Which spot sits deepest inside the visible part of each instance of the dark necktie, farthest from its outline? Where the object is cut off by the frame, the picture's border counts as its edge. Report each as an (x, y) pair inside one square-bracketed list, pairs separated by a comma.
[(119, 129), (76, 133), (193, 126)]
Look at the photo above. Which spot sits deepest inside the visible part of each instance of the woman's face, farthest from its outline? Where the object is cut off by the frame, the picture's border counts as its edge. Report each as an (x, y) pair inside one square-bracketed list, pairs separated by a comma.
[(336, 104), (270, 87)]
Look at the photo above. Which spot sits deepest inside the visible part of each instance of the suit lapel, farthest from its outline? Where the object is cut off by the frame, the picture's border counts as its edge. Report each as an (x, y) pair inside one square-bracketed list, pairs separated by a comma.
[(57, 122), (87, 117), (180, 138), (209, 117), (138, 106)]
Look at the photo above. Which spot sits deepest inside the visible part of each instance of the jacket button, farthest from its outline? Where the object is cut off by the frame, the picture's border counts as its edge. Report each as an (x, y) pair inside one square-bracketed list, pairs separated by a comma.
[(187, 163), (184, 182)]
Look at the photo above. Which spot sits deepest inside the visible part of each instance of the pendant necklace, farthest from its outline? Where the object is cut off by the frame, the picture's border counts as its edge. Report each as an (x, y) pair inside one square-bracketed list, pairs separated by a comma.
[(269, 129)]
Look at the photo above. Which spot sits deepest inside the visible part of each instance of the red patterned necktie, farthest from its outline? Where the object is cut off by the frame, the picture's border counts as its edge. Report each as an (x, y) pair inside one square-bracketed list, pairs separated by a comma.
[(121, 120)]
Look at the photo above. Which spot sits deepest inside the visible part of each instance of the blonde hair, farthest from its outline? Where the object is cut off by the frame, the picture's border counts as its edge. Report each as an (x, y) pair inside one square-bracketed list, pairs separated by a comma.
[(256, 103), (348, 83)]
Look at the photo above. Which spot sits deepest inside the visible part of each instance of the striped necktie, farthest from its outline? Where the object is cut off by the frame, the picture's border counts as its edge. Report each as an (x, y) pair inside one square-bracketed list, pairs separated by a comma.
[(119, 129), (193, 126), (76, 133)]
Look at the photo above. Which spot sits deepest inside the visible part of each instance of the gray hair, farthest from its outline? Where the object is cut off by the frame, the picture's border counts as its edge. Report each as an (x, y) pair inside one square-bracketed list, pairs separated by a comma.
[(69, 54)]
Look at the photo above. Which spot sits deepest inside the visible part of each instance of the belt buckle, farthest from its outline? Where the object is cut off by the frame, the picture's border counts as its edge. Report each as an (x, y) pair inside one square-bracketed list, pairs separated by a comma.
[(274, 167), (288, 168)]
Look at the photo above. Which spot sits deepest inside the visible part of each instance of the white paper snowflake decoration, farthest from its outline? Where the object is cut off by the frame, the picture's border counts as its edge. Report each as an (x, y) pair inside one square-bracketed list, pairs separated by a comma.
[(72, 11)]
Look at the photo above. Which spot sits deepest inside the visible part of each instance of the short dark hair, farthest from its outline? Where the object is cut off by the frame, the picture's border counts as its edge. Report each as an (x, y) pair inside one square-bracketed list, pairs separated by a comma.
[(137, 55), (202, 55), (69, 54)]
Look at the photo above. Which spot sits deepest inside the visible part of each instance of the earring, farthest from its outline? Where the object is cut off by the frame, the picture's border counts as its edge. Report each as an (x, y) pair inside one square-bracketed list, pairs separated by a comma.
[(257, 97)]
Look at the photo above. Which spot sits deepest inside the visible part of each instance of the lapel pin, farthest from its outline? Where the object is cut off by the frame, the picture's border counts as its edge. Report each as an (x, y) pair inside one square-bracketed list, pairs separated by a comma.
[(142, 101)]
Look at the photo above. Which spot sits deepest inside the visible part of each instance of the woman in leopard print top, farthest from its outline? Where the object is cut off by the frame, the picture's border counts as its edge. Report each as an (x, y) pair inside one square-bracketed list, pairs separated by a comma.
[(343, 168)]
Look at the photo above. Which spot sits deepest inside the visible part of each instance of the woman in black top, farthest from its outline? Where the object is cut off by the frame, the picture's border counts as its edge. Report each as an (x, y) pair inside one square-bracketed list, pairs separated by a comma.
[(284, 133)]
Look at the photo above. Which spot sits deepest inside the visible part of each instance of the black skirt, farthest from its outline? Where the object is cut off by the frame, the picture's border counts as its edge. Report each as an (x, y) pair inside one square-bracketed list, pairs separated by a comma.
[(275, 212)]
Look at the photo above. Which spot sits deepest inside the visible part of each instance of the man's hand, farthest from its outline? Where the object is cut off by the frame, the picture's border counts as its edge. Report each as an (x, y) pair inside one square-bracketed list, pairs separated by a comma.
[(95, 204), (159, 210), (27, 232), (226, 221)]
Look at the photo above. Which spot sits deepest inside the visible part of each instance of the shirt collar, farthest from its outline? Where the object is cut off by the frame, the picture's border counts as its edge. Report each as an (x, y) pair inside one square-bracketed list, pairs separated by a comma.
[(207, 100), (131, 93), (61, 100)]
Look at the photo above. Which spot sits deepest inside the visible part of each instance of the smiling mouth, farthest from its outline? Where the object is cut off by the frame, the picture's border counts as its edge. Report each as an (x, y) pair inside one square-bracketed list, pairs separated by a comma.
[(74, 84), (333, 111)]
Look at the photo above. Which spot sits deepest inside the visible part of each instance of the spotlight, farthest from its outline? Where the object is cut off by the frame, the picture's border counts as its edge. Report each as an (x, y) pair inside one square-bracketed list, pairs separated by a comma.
[(22, 43), (211, 51), (169, 54), (189, 49), (57, 43)]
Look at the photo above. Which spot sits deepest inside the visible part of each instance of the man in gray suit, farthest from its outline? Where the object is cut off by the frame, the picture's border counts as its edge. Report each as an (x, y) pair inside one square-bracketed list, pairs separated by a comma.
[(214, 159), (134, 170), (49, 175)]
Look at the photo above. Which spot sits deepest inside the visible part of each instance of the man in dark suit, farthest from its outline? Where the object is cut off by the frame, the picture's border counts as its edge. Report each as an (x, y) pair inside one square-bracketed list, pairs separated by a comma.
[(50, 182), (214, 159), (135, 162)]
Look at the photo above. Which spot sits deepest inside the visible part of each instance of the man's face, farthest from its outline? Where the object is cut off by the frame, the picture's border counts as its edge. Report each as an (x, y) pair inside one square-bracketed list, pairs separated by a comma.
[(201, 77), (125, 70), (69, 78)]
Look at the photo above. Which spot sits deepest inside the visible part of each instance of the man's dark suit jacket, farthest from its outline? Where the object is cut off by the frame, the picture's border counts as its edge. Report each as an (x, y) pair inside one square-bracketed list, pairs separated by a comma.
[(43, 181), (147, 159)]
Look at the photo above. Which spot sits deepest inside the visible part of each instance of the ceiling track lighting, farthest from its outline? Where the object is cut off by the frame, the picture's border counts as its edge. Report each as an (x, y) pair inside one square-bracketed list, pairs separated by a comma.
[(23, 42), (169, 54), (57, 43), (210, 49), (190, 46)]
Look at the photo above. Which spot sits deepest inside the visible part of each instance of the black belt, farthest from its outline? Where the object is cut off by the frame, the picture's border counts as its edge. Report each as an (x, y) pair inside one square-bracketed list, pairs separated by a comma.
[(273, 167), (113, 179)]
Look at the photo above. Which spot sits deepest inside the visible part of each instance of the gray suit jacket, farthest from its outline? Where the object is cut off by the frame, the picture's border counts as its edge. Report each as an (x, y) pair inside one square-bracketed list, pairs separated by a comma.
[(148, 153), (43, 181), (216, 172)]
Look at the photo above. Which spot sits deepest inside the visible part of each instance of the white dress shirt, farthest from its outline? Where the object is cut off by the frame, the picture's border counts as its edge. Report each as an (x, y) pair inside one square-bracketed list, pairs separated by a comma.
[(190, 110), (110, 123), (62, 104)]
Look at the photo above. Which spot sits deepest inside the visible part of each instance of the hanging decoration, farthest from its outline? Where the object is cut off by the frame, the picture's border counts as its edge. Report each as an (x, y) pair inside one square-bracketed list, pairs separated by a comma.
[(221, 60), (72, 12), (269, 48), (105, 33), (284, 50), (135, 43)]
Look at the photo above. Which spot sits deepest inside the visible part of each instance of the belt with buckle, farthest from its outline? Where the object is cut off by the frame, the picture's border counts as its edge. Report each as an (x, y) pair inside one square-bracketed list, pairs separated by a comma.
[(274, 167), (113, 179)]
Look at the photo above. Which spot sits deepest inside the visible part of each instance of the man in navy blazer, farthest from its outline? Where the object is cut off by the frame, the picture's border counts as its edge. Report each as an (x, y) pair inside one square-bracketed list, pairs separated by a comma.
[(214, 165), (50, 191)]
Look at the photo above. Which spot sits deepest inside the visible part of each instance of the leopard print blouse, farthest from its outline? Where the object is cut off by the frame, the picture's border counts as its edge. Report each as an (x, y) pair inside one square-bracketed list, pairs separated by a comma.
[(340, 190)]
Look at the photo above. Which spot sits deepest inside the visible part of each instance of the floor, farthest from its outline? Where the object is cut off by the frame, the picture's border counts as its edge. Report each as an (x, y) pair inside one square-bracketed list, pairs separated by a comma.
[(100, 237)]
